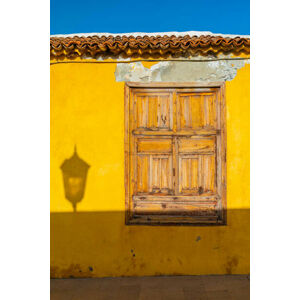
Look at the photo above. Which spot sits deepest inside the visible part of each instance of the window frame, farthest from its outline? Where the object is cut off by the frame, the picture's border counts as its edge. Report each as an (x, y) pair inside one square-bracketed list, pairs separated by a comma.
[(129, 86)]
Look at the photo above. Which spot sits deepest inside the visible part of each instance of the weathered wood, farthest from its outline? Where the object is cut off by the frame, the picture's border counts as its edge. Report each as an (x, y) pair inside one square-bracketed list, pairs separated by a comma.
[(202, 132), (223, 153), (178, 198), (196, 144), (127, 150), (154, 145), (175, 153), (172, 220), (176, 209)]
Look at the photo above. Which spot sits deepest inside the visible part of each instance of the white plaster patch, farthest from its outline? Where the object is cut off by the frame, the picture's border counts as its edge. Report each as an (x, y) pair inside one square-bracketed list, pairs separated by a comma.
[(180, 71)]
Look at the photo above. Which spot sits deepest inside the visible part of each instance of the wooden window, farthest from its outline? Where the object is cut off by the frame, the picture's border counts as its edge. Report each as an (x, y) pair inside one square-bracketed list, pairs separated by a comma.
[(175, 154)]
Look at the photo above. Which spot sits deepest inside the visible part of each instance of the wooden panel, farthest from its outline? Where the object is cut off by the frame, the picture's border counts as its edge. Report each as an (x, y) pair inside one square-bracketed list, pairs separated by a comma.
[(154, 145), (196, 145), (210, 115), (142, 112), (160, 171), (185, 120), (153, 111), (208, 173), (196, 174), (143, 174), (169, 208), (196, 110), (189, 175), (154, 174), (175, 210)]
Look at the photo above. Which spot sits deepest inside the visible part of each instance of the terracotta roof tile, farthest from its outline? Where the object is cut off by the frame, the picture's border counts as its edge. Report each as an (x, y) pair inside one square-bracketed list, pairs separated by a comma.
[(94, 46)]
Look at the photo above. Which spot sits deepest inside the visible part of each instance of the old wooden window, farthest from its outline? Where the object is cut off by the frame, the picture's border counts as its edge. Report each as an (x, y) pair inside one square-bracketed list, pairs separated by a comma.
[(175, 154)]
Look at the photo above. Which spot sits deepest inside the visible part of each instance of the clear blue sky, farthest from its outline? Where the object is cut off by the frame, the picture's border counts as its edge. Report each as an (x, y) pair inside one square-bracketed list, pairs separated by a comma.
[(117, 16)]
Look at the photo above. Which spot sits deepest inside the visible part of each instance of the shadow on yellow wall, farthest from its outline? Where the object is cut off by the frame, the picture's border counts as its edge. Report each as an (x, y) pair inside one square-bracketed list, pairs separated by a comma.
[(74, 172), (99, 244)]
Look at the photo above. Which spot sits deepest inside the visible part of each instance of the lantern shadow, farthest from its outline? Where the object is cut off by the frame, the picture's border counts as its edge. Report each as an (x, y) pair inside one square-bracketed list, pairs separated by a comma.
[(74, 172)]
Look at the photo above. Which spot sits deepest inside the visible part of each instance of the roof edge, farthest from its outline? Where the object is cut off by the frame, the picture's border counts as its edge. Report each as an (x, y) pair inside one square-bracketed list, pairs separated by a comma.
[(168, 33), (139, 44)]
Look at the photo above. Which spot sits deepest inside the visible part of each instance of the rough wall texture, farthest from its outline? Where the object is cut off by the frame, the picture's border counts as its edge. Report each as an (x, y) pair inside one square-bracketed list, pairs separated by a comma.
[(87, 108), (180, 71)]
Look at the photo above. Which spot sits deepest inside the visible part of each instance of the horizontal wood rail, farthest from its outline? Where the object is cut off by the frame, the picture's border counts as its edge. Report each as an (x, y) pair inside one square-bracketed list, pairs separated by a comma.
[(179, 133)]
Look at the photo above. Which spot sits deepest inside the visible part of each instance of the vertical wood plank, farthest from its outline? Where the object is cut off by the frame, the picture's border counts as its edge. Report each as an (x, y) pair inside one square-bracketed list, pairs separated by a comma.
[(189, 172), (194, 172), (206, 110), (212, 173), (126, 149), (144, 111), (150, 178), (196, 112), (223, 151), (200, 171), (159, 113), (175, 160)]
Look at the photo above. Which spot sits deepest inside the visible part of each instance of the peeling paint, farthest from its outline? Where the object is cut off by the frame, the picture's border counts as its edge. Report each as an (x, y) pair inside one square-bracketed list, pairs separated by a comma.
[(180, 71), (168, 57), (73, 271)]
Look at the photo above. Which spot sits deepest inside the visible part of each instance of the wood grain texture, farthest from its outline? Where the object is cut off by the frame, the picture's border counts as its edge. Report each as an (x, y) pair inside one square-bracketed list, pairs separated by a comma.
[(175, 154)]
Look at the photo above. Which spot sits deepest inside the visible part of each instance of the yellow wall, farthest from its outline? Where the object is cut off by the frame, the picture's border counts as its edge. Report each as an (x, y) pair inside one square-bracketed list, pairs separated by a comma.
[(87, 108)]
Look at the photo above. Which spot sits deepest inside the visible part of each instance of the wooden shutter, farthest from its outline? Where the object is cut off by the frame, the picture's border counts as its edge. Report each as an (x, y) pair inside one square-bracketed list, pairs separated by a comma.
[(175, 155)]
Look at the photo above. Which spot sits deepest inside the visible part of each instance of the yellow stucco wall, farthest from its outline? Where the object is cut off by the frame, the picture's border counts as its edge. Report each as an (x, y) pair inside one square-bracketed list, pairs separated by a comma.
[(87, 109)]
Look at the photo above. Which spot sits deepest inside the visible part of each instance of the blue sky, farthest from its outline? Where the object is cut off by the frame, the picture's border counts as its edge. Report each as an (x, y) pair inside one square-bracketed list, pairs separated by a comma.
[(116, 16)]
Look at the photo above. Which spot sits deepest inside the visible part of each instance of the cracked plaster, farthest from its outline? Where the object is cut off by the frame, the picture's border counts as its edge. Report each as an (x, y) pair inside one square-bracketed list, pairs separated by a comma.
[(180, 71)]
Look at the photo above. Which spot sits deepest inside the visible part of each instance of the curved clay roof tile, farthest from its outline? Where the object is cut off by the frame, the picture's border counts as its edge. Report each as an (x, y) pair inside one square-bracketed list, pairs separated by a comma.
[(150, 45)]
